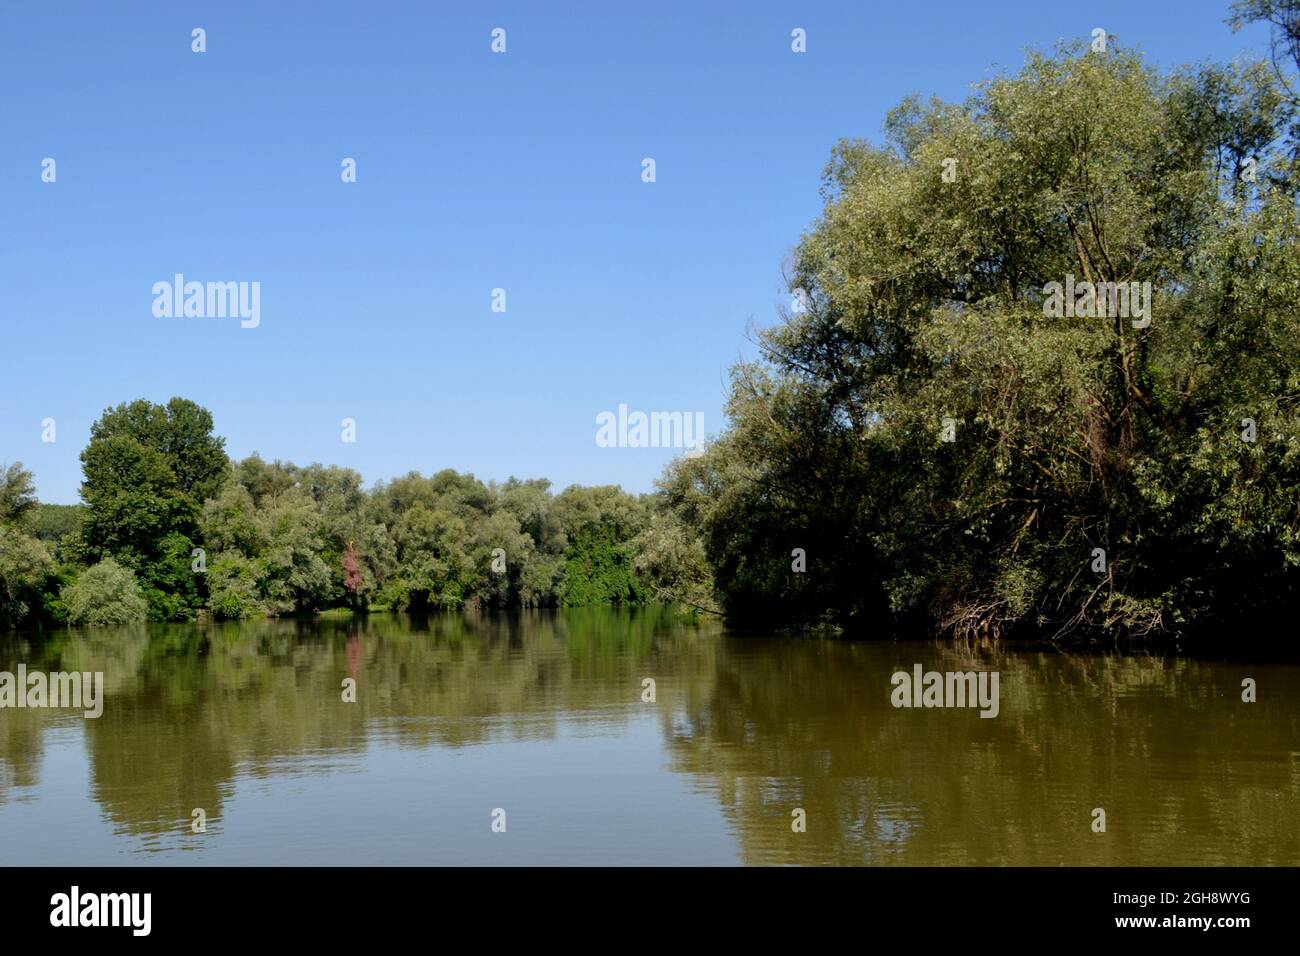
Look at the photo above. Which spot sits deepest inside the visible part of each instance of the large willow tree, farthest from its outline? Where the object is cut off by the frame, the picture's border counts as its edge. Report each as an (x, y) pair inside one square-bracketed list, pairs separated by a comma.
[(1098, 476)]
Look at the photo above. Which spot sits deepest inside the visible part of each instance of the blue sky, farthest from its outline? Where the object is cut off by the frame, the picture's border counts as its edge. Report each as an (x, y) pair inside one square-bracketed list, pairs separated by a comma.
[(475, 171)]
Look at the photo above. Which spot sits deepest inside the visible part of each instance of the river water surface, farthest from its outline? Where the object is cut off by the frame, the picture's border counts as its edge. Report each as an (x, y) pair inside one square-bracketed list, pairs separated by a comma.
[(538, 720)]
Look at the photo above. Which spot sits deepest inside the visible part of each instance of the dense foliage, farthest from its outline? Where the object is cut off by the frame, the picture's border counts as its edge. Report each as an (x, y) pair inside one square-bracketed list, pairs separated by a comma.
[(951, 451), (171, 529), (26, 565), (103, 594)]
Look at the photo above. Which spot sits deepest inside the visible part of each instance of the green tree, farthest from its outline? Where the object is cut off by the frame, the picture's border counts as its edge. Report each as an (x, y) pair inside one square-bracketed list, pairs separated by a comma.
[(146, 473), (17, 494), (436, 569), (946, 451), (230, 522), (670, 556), (132, 500), (55, 523), (181, 432), (292, 576), (105, 594), (25, 567), (601, 524), (26, 564), (233, 592)]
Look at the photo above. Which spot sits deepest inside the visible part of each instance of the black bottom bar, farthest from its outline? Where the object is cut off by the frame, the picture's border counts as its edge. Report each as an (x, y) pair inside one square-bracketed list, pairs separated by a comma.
[(618, 907)]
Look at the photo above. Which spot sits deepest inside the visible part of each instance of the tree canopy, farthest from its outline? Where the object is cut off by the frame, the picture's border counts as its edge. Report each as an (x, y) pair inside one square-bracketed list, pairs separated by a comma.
[(948, 451)]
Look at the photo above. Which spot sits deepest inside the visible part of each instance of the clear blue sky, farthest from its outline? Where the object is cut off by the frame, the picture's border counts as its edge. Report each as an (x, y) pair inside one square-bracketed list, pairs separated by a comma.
[(475, 171)]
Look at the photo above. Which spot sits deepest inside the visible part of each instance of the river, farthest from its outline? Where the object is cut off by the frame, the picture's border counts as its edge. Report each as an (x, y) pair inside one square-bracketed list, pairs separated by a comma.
[(538, 738)]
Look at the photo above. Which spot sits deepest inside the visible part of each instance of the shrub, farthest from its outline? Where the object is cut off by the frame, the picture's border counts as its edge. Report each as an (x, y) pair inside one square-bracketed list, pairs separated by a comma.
[(106, 593)]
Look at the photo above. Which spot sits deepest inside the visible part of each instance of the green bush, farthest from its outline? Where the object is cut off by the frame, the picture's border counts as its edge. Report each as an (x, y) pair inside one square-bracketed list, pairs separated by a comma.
[(106, 593)]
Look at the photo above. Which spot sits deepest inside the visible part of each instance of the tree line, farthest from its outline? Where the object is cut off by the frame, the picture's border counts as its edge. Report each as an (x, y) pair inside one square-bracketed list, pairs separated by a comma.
[(171, 528)]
